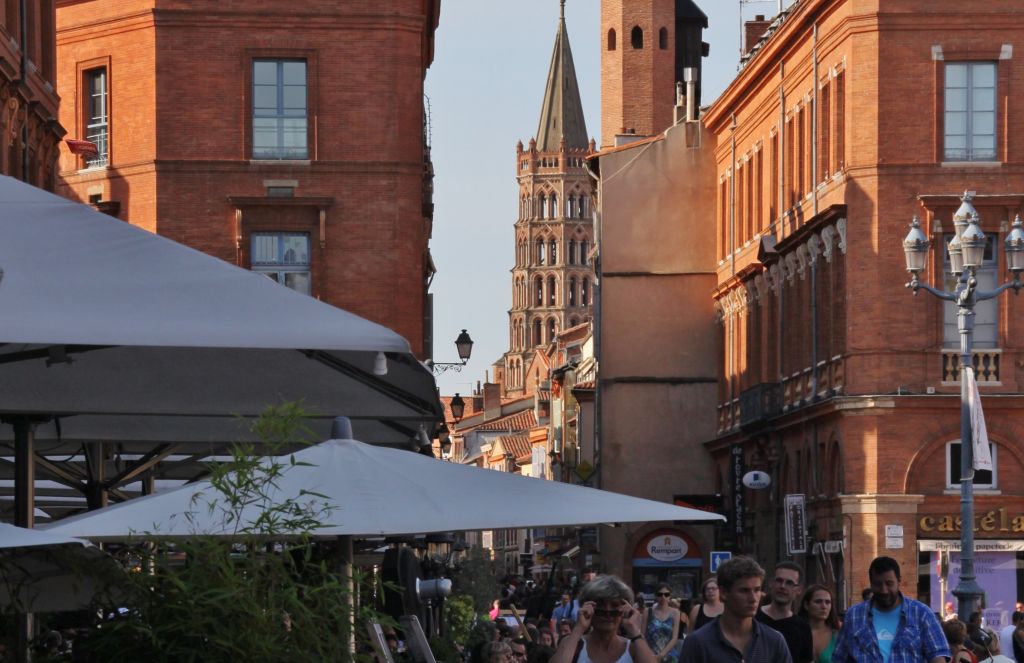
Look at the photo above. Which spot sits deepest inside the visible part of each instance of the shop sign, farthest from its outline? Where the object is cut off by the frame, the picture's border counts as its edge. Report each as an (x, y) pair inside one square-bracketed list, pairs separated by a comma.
[(796, 524), (738, 468), (994, 520), (667, 548), (757, 480)]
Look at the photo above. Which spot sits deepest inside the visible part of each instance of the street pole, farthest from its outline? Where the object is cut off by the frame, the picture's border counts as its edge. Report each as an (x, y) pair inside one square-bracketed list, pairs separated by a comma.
[(966, 255)]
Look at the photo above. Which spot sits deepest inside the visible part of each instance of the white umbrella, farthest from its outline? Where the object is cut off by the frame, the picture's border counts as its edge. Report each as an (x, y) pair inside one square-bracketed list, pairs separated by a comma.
[(371, 490), (109, 333), (48, 572)]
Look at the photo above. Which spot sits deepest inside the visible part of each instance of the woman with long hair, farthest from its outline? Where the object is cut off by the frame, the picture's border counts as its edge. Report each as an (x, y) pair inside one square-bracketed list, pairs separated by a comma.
[(661, 625), (709, 608), (818, 607)]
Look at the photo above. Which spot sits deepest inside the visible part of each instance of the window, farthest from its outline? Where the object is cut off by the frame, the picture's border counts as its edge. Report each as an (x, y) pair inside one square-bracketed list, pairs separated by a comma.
[(986, 313), (536, 332), (637, 37), (570, 207), (572, 292), (279, 118), (284, 257), (663, 39), (543, 205), (554, 206), (611, 39), (824, 138), (584, 252), (540, 251), (97, 119), (538, 290), (552, 291), (583, 291), (571, 254), (970, 112), (553, 252), (840, 157), (983, 479), (551, 330)]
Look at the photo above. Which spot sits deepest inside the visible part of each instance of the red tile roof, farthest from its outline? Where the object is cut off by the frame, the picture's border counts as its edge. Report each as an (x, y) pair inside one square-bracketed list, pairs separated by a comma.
[(524, 420), (589, 384), (517, 445)]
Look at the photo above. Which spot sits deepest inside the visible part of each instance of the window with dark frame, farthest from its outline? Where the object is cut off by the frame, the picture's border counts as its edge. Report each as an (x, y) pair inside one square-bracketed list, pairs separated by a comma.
[(279, 110), (97, 118), (983, 479), (285, 258), (970, 111)]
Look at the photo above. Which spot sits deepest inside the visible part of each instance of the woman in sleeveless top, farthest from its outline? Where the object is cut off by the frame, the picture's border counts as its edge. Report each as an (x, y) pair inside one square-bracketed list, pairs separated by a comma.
[(606, 605), (711, 607), (818, 608), (661, 626)]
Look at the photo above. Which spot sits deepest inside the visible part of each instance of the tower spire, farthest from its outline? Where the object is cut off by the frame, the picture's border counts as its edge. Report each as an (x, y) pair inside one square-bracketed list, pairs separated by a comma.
[(561, 115)]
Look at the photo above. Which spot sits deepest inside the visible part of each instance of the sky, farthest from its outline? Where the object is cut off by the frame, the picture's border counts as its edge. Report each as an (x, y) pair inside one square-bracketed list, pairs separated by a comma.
[(484, 91)]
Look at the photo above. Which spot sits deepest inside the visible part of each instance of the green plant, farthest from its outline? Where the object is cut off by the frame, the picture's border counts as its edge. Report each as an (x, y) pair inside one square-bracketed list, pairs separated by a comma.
[(257, 595), (477, 579), (459, 617)]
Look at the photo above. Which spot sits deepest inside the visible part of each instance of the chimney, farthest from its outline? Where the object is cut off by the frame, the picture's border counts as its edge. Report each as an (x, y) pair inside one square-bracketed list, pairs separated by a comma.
[(754, 30), (492, 400)]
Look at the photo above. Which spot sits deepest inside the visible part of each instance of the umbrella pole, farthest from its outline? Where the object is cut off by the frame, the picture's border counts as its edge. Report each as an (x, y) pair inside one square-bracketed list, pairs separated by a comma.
[(345, 561), (24, 513)]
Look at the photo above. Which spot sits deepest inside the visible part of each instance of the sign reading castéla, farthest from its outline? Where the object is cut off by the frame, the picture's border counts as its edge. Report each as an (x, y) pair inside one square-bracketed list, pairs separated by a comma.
[(993, 520)]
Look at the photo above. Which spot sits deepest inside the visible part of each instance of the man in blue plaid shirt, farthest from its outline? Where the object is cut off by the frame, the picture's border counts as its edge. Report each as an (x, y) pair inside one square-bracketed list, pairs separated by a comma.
[(890, 628)]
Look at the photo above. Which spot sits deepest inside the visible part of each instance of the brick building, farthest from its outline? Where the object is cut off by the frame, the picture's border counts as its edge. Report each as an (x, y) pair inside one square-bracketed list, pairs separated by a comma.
[(30, 132), (289, 139), (846, 120)]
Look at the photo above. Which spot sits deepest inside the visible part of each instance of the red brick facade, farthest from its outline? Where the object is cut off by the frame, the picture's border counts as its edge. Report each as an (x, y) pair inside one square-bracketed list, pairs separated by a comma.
[(30, 132), (182, 160), (835, 378)]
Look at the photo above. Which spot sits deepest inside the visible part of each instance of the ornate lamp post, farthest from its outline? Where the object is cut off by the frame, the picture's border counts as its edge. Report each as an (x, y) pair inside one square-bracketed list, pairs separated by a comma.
[(966, 254), (464, 346)]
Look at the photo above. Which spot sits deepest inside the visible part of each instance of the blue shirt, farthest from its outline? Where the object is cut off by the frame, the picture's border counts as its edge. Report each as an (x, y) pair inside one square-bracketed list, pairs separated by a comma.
[(886, 623), (565, 612), (918, 637)]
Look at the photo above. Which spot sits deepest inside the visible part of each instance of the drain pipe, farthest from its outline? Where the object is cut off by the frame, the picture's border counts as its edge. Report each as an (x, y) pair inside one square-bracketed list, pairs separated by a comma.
[(23, 29)]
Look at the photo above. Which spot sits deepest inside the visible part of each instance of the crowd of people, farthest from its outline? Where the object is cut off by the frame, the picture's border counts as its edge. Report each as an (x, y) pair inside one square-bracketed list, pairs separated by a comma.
[(745, 614)]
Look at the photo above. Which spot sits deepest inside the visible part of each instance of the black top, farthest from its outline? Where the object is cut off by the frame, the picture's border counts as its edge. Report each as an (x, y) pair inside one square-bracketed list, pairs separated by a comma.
[(797, 633), (708, 645), (702, 619)]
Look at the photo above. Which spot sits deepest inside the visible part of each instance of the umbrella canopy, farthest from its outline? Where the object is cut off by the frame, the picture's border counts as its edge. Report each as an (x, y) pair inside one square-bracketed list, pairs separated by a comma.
[(369, 490), (109, 333), (47, 572)]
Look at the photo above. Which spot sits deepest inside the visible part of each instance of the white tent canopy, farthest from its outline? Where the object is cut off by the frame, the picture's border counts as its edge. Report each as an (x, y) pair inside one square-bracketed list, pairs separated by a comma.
[(111, 334), (373, 491), (46, 572)]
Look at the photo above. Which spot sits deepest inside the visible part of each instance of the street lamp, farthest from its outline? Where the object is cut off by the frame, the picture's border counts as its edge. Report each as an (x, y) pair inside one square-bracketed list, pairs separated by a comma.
[(464, 346), (966, 254)]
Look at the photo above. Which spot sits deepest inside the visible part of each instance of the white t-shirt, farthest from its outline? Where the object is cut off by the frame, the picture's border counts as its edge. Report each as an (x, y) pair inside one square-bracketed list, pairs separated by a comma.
[(998, 658), (625, 658), (1006, 640)]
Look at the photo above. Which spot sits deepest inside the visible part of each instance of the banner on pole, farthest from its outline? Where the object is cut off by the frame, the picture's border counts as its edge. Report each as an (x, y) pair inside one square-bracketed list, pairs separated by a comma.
[(980, 452)]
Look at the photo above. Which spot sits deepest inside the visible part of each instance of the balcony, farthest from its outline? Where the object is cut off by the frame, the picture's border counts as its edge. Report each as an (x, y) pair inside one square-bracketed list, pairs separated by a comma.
[(759, 403), (986, 367)]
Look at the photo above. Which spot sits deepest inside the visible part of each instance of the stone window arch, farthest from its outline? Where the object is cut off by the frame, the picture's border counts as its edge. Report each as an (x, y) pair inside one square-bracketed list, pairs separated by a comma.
[(570, 207), (537, 340), (571, 292), (663, 38), (584, 252), (543, 205), (554, 206), (552, 330), (611, 39), (553, 252), (552, 291), (636, 37), (541, 248), (570, 254), (538, 290)]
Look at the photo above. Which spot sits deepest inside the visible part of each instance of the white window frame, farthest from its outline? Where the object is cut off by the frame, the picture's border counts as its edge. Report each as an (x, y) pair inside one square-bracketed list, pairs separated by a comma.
[(278, 270), (972, 115), (954, 486)]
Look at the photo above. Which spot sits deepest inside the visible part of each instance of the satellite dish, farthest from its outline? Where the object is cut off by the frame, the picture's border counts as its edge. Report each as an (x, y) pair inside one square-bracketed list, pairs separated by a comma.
[(756, 480)]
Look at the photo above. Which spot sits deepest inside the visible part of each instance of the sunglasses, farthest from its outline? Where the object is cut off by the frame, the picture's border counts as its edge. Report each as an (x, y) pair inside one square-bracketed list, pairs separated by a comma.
[(605, 612), (663, 594)]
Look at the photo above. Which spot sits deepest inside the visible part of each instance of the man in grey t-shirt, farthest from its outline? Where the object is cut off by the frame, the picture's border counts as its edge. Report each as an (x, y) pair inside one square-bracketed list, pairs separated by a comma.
[(735, 635)]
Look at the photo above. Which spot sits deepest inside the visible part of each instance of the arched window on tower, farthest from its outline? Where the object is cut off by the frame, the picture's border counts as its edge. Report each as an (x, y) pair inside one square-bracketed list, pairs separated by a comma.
[(636, 37), (583, 207), (543, 205), (540, 251), (553, 253), (572, 292), (537, 340), (663, 39), (573, 322), (611, 39), (552, 291), (571, 253), (570, 207), (584, 252), (584, 294), (554, 206), (552, 330), (538, 289)]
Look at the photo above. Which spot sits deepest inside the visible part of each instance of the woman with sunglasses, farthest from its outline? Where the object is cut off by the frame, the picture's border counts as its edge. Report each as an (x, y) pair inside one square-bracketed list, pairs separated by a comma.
[(661, 626), (818, 608), (708, 611), (607, 629)]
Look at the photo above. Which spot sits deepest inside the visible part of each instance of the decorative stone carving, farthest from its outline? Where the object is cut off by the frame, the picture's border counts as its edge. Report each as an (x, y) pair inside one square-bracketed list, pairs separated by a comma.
[(802, 260), (751, 293), (841, 227), (814, 248), (761, 285), (719, 312), (775, 278), (791, 267), (828, 235)]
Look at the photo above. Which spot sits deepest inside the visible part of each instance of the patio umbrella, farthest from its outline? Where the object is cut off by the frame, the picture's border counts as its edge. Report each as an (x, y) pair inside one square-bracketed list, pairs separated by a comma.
[(110, 334), (370, 491), (46, 572)]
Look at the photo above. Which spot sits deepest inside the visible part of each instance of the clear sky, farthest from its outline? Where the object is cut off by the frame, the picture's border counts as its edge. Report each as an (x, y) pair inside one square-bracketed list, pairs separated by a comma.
[(485, 89)]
